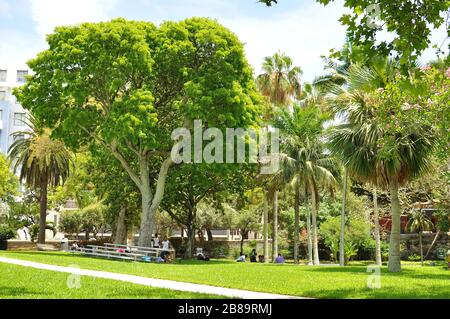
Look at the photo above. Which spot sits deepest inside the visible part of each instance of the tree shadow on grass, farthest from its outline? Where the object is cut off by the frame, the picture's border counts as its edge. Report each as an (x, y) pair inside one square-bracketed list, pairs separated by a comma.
[(11, 292)]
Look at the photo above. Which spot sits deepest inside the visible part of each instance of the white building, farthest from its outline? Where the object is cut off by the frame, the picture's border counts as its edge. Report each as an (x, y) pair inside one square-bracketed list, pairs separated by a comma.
[(12, 115)]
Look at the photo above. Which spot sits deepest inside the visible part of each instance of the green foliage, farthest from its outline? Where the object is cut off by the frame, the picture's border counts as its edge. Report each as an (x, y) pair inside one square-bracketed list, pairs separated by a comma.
[(357, 235), (9, 183), (6, 232), (70, 222), (368, 18), (414, 257)]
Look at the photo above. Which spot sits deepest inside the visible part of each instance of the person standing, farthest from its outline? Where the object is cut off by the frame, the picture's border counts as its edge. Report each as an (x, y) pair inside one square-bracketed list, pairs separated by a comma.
[(156, 241)]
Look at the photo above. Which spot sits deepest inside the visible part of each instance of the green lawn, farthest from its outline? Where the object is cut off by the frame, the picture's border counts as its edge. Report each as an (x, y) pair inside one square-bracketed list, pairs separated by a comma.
[(320, 282), (28, 283)]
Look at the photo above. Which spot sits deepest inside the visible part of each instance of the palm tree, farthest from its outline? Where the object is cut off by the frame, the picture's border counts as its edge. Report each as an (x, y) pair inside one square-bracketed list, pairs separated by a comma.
[(42, 162), (280, 81), (357, 142), (306, 164), (419, 222)]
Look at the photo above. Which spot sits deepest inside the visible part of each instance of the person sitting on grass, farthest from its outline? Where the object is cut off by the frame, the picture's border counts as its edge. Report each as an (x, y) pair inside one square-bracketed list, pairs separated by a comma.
[(241, 258), (253, 256), (261, 258), (279, 259)]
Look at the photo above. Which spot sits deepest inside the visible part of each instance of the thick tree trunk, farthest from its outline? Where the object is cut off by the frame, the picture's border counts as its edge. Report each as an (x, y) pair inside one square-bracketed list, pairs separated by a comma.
[(242, 244), (190, 242), (209, 234), (296, 222), (394, 242), (150, 204), (421, 247), (42, 208), (275, 226), (121, 228), (315, 238), (342, 231), (266, 230), (376, 224)]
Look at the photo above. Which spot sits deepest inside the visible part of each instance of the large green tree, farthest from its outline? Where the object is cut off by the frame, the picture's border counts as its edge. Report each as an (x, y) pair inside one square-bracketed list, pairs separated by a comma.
[(126, 85), (373, 150)]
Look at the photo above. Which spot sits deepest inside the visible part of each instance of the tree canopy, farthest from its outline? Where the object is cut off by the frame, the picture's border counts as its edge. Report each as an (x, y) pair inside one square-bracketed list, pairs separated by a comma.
[(410, 21)]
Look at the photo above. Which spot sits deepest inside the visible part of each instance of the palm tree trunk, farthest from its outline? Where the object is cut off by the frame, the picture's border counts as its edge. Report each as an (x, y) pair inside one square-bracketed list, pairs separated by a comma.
[(308, 229), (266, 230), (421, 247), (296, 221), (315, 239), (394, 241), (275, 226), (376, 223), (342, 231), (43, 208)]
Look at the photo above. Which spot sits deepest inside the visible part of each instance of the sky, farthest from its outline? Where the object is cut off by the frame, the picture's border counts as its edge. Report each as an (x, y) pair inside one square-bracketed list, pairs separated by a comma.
[(303, 29)]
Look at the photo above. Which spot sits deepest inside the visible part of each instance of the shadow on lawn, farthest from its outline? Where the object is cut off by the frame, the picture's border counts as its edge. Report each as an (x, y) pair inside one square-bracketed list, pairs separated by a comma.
[(10, 292)]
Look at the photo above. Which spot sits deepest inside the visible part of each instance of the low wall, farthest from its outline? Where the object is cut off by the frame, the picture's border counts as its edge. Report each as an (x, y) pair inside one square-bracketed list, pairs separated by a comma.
[(28, 245)]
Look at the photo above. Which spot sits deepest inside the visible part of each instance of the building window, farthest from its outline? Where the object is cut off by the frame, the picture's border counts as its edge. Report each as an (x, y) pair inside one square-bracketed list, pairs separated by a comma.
[(2, 95), (19, 119), (3, 74), (21, 76)]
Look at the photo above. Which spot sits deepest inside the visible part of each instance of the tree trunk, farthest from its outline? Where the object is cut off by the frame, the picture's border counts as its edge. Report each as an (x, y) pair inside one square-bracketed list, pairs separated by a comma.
[(266, 230), (275, 226), (432, 244), (421, 247), (376, 223), (342, 231), (190, 242), (394, 241), (315, 239), (296, 222), (42, 208), (209, 234), (308, 229), (121, 228), (242, 244), (150, 203)]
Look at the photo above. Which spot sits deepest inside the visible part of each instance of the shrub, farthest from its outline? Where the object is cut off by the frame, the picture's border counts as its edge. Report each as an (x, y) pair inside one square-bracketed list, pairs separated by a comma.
[(414, 257), (6, 233)]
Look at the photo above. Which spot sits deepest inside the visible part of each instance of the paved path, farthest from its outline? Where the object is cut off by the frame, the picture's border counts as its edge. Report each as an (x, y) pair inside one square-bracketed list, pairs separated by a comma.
[(160, 283)]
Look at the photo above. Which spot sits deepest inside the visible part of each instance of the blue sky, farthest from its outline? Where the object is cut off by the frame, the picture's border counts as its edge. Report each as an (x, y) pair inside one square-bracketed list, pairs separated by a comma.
[(302, 29)]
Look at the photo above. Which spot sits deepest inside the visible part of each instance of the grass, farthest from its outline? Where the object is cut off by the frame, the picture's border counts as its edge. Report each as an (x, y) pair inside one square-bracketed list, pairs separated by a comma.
[(319, 282), (18, 282)]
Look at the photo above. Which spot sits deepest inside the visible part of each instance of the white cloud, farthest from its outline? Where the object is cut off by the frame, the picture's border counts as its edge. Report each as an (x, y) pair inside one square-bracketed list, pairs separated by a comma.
[(47, 14)]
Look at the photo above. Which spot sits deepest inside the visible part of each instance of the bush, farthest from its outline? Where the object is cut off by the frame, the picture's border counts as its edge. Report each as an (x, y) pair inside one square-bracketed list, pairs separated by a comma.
[(414, 257), (6, 233)]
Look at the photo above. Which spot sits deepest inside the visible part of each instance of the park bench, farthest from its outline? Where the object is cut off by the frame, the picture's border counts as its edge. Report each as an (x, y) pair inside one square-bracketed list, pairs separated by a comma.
[(133, 253), (148, 251)]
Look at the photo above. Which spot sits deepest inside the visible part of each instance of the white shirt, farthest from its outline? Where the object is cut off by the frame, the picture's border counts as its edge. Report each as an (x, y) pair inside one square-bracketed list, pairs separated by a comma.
[(165, 245), (156, 242)]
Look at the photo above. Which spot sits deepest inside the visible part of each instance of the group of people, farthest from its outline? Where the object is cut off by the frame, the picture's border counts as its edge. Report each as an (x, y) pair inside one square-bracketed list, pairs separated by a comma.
[(254, 257), (164, 246)]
